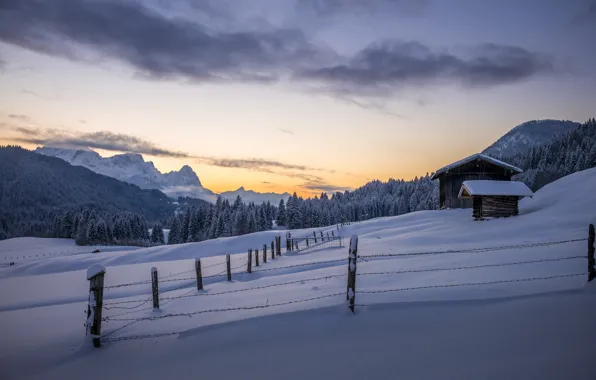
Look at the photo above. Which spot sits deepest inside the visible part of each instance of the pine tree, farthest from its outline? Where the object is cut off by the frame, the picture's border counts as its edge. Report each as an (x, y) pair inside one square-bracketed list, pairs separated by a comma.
[(281, 214), (175, 236)]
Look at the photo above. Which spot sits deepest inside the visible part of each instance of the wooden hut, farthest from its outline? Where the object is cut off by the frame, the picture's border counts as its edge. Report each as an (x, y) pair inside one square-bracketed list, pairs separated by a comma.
[(494, 199), (476, 167)]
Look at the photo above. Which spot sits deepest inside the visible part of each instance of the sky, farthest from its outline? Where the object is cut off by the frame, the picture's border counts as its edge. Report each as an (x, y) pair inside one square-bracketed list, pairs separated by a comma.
[(291, 95)]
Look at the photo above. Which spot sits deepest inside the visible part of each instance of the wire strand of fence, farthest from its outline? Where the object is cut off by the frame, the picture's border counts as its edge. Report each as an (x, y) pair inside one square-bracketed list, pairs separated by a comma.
[(254, 288), (108, 306), (190, 314), (471, 283), (300, 265), (127, 284), (472, 266), (135, 337), (473, 250)]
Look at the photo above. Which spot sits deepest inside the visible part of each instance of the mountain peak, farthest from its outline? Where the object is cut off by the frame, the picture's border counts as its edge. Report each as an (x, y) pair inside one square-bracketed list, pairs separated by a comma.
[(526, 135)]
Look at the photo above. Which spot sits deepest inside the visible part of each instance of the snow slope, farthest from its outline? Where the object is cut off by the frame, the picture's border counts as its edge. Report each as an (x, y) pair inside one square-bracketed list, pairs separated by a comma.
[(494, 330)]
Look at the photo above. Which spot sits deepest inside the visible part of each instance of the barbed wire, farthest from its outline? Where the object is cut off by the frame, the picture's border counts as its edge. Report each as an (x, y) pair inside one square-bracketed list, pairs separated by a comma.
[(471, 266), (108, 306), (300, 265), (254, 288), (473, 250), (134, 337), (128, 284), (470, 284), (190, 314)]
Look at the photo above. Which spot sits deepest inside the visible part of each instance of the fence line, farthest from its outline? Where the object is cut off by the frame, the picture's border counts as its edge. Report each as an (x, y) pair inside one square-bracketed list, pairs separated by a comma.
[(473, 250), (472, 283), (351, 292), (472, 266)]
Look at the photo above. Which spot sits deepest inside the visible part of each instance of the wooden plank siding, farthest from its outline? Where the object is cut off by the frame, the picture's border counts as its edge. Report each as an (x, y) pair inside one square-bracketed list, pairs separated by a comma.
[(452, 180), (490, 206)]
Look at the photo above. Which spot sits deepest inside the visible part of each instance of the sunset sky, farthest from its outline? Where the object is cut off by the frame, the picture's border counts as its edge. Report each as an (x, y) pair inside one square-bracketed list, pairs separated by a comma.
[(291, 95)]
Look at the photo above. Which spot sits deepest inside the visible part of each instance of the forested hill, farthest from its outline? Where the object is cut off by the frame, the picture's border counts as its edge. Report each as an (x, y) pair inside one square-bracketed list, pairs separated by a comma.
[(34, 188)]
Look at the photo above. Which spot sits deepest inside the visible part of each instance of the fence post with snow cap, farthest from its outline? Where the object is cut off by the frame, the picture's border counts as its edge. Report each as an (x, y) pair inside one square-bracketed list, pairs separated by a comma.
[(249, 264), (591, 263), (228, 266), (154, 288), (95, 275), (199, 274), (352, 256)]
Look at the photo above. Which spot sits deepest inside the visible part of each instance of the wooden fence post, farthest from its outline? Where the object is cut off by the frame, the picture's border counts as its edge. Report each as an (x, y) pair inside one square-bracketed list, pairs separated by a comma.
[(332, 234), (314, 233), (278, 245), (95, 275), (264, 254), (307, 244), (249, 268), (591, 263), (272, 249), (199, 274), (327, 235), (229, 267), (288, 242), (154, 288), (322, 237), (353, 255), (257, 257)]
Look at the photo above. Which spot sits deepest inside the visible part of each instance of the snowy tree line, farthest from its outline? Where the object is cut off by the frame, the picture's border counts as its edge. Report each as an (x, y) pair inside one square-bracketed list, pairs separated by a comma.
[(200, 223), (89, 227), (373, 200)]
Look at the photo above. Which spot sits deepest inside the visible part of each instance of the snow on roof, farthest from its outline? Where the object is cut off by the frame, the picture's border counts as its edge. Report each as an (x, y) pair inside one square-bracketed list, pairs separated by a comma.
[(484, 187), (477, 156)]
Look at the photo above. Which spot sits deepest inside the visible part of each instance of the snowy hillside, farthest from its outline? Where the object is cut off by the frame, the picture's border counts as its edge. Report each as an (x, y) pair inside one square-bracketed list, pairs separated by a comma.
[(133, 168), (434, 301), (521, 138)]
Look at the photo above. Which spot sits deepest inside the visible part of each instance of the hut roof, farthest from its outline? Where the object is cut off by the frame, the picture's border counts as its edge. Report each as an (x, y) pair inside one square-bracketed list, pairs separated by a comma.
[(496, 188), (477, 156)]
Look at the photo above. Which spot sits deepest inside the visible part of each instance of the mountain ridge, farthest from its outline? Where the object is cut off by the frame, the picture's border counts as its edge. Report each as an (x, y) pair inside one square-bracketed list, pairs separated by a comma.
[(132, 168), (523, 137)]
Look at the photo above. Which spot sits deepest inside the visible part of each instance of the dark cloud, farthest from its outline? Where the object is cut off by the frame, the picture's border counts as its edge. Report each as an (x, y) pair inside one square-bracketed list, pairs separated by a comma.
[(587, 15), (19, 117), (321, 185), (156, 45), (383, 68), (326, 8), (98, 140), (118, 142), (286, 131), (252, 164)]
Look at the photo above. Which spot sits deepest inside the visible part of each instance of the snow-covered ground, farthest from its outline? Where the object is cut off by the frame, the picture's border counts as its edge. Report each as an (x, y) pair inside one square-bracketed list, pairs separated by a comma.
[(523, 329)]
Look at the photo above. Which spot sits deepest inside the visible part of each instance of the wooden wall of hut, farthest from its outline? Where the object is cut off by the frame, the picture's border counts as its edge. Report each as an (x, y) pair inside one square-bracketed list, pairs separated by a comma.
[(495, 206)]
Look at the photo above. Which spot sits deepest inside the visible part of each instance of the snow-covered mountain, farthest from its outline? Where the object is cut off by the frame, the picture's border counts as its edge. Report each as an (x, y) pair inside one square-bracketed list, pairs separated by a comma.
[(252, 196), (521, 138), (132, 168)]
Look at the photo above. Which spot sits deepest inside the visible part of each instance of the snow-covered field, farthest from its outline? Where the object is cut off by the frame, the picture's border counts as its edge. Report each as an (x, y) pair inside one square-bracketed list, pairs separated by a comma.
[(524, 329)]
